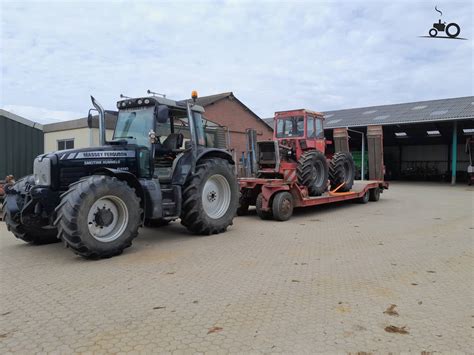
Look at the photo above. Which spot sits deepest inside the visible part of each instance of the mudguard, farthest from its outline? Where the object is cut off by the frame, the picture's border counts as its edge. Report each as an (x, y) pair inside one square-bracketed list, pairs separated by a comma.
[(185, 164)]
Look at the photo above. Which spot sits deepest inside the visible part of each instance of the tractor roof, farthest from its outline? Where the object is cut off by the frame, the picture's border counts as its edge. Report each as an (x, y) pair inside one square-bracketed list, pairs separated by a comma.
[(300, 111), (177, 105)]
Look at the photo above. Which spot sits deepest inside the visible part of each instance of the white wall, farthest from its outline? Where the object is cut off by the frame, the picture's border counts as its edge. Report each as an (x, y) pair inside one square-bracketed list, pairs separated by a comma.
[(81, 136)]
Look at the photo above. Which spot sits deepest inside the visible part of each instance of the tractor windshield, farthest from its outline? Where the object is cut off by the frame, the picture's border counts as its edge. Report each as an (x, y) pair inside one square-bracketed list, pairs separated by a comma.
[(290, 127), (135, 123)]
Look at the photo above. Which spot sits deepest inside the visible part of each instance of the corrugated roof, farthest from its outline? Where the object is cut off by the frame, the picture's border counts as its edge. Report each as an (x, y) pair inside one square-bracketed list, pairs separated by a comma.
[(411, 112)]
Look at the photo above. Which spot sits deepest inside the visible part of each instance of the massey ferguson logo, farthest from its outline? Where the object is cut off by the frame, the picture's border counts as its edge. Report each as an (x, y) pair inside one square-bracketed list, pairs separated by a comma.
[(105, 154)]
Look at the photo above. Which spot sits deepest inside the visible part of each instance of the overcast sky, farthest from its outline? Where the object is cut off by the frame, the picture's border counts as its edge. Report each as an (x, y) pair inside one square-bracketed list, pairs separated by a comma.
[(272, 55)]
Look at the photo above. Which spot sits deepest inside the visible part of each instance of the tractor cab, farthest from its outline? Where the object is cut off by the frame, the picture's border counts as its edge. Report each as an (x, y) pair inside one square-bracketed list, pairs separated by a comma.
[(167, 128), (300, 130), (295, 133)]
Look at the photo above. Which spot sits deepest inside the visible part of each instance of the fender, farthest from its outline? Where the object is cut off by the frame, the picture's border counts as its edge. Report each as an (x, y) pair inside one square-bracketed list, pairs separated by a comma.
[(268, 192), (184, 164), (129, 178)]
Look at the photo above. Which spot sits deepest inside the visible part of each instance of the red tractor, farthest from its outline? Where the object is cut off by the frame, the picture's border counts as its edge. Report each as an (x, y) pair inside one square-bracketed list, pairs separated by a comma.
[(295, 162)]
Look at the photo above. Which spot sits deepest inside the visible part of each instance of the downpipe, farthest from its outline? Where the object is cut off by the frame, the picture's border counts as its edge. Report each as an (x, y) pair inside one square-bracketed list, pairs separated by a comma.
[(100, 110)]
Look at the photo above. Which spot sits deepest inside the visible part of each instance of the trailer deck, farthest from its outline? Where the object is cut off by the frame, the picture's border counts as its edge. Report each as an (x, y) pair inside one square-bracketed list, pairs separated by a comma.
[(361, 190)]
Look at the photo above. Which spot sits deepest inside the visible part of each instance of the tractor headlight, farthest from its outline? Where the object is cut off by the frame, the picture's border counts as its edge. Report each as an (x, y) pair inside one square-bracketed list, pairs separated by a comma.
[(42, 171)]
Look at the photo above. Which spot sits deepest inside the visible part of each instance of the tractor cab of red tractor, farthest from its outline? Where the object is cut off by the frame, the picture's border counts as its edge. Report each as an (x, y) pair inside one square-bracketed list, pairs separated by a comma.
[(300, 130)]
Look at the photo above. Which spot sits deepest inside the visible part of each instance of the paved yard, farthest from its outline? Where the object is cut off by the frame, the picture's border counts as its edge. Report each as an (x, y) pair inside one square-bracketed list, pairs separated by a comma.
[(320, 282)]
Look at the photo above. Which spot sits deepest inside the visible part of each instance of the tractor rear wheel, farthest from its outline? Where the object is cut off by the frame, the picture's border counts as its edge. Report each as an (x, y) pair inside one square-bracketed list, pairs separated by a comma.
[(35, 236), (342, 171), (98, 217), (312, 172), (258, 207), (282, 206), (210, 197)]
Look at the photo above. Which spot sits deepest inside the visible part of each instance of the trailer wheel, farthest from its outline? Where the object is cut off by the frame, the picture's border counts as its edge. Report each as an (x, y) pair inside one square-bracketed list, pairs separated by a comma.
[(243, 208), (258, 206), (312, 172), (34, 236), (364, 199), (210, 197), (342, 171), (98, 217), (282, 206), (374, 194)]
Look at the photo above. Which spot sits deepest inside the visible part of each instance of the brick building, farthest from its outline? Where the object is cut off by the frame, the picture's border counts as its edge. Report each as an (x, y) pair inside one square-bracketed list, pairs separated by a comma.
[(228, 111)]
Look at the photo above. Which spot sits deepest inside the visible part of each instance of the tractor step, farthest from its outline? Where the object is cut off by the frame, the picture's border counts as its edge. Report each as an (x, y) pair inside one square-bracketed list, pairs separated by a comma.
[(171, 200)]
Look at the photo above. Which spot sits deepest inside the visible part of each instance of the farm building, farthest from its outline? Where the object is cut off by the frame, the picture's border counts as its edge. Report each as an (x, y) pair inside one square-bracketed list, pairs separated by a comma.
[(423, 140), (21, 140)]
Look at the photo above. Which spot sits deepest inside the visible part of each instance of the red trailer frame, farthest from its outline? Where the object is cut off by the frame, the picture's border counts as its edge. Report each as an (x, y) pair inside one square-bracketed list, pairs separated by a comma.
[(362, 190)]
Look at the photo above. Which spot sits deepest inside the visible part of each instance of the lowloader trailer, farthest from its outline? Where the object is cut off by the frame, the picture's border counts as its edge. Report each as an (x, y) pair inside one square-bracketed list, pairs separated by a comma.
[(276, 198)]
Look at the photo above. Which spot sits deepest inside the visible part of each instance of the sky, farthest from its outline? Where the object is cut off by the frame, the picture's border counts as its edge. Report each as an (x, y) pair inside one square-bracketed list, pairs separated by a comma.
[(273, 55)]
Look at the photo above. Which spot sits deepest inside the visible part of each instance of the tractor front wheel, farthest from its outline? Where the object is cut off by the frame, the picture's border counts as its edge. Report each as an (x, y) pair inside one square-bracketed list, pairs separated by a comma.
[(98, 217), (35, 236), (210, 198)]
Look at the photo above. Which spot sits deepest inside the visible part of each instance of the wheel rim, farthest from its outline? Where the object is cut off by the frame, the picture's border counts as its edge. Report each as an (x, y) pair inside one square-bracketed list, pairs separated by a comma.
[(286, 206), (107, 218), (216, 196), (318, 173), (347, 172)]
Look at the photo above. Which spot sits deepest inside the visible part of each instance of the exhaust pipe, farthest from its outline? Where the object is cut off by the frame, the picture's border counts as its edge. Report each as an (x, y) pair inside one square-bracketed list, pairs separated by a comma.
[(101, 112)]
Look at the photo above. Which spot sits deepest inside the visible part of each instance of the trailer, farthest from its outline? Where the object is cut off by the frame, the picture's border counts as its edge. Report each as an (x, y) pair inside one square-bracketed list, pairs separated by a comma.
[(277, 198)]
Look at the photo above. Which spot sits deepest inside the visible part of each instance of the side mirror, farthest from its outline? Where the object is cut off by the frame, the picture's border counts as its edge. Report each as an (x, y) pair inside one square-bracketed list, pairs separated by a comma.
[(162, 114)]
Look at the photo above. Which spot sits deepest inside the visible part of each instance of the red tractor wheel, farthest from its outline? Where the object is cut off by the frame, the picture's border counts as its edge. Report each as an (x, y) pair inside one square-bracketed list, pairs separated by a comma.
[(342, 171), (312, 172)]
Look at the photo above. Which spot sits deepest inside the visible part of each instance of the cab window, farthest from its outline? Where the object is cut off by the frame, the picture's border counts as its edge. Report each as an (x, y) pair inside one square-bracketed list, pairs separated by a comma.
[(319, 128), (310, 127)]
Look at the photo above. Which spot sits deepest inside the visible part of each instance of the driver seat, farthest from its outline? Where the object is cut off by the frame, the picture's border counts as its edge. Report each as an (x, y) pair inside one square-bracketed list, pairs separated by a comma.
[(173, 141)]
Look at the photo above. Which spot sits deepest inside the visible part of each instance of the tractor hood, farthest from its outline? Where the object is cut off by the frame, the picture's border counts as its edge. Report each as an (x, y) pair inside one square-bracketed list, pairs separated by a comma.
[(61, 168)]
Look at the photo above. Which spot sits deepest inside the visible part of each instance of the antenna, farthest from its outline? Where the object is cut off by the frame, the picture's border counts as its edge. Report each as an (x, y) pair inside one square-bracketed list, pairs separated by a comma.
[(124, 97), (155, 93)]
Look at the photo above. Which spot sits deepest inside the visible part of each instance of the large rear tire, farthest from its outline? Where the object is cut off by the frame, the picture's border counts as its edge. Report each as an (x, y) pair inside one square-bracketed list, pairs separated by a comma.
[(35, 236), (312, 172), (210, 197), (98, 217), (342, 171)]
